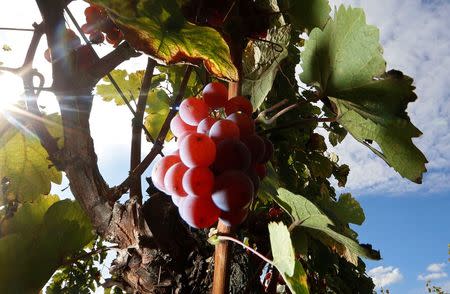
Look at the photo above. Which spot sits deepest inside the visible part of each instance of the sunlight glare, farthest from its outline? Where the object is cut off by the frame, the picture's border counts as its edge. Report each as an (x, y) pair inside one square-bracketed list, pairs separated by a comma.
[(11, 90)]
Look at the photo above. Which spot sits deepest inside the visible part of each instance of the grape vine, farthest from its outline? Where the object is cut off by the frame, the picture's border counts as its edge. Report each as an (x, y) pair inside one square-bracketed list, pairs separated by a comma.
[(215, 71)]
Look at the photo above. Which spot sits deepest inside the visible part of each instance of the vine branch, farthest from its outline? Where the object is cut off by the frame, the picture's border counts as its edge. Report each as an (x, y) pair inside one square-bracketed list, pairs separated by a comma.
[(135, 187), (158, 144)]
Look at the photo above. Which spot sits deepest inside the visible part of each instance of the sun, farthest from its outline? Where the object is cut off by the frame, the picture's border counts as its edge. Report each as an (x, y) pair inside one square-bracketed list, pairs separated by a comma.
[(11, 90)]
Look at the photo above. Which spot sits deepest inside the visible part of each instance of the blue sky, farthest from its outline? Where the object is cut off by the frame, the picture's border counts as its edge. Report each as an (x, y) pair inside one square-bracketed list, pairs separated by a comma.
[(409, 223)]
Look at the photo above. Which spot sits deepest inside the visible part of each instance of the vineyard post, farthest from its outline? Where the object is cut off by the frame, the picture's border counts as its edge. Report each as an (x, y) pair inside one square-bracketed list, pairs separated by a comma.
[(221, 282)]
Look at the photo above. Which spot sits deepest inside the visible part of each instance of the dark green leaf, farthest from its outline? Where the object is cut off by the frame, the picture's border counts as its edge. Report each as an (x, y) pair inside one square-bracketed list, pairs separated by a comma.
[(318, 224), (261, 63), (345, 63)]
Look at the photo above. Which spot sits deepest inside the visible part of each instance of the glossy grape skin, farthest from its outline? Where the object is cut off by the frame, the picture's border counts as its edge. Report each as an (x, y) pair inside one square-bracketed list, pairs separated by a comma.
[(256, 146), (160, 170), (215, 95), (178, 127), (261, 170), (192, 111), (234, 218), (224, 129), (254, 177), (268, 153), (239, 103), (233, 190), (205, 125), (197, 150), (232, 155), (244, 122), (173, 179), (198, 212), (199, 181)]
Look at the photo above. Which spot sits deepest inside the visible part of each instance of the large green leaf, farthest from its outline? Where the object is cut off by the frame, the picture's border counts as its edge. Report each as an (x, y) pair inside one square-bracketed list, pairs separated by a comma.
[(345, 63), (157, 111), (261, 62), (307, 14), (24, 163), (158, 28), (308, 216), (284, 259), (29, 257)]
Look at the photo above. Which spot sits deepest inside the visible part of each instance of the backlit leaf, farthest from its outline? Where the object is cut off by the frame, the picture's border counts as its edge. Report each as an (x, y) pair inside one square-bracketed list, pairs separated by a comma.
[(344, 62)]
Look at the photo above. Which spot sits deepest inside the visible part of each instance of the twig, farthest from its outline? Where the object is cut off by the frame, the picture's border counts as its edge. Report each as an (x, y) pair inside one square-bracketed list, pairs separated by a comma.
[(88, 254), (27, 74), (298, 122), (16, 29), (135, 188), (110, 77), (158, 144), (262, 117)]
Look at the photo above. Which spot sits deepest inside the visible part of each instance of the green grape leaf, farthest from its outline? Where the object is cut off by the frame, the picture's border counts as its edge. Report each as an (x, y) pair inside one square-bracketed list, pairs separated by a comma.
[(261, 62), (345, 63), (341, 174), (129, 83), (310, 217), (307, 14), (30, 257), (320, 166), (28, 217), (269, 185), (24, 164), (175, 74), (159, 29), (348, 210), (158, 103), (284, 258)]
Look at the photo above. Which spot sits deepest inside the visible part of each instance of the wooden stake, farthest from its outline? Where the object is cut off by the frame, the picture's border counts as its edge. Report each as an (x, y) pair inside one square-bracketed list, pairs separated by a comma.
[(221, 282)]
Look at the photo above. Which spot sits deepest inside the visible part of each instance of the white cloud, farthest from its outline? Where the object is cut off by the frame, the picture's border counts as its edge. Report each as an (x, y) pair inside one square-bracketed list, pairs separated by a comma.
[(436, 267), (432, 276), (435, 272), (384, 276), (416, 39)]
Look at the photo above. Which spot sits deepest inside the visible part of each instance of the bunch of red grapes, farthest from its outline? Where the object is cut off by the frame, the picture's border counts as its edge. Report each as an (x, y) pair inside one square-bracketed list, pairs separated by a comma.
[(97, 23), (217, 169)]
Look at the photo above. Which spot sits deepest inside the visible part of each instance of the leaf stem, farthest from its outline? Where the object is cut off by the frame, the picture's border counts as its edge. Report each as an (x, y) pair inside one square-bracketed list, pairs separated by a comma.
[(229, 238), (298, 123)]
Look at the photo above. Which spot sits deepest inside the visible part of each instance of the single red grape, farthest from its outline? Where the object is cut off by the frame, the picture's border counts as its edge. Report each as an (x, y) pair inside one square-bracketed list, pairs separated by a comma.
[(239, 103), (268, 150), (215, 95), (233, 190), (224, 129), (261, 170), (205, 125), (199, 181), (198, 212), (256, 146), (160, 170), (232, 155), (244, 122), (179, 127), (173, 179), (234, 218), (192, 111), (197, 150)]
